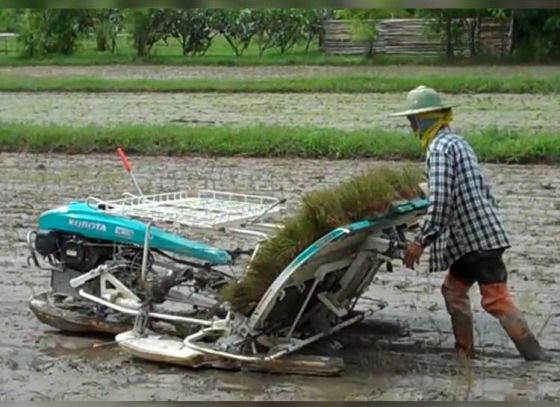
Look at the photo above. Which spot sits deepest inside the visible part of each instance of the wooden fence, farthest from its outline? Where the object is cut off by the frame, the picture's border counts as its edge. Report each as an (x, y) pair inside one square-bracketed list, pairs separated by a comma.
[(408, 36)]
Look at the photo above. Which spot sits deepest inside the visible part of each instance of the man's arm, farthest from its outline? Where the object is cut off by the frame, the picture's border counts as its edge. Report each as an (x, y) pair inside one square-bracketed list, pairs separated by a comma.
[(441, 180)]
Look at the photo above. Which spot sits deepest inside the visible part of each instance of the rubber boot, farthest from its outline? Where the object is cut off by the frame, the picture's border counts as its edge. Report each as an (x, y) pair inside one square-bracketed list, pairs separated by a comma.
[(497, 300), (457, 302), (523, 339)]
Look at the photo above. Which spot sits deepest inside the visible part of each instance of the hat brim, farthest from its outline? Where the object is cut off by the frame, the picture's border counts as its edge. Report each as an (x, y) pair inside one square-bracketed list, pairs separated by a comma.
[(423, 110)]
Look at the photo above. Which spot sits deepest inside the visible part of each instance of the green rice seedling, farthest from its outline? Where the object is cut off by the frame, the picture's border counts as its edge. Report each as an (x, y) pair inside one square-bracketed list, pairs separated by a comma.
[(367, 195), (323, 208), (405, 182)]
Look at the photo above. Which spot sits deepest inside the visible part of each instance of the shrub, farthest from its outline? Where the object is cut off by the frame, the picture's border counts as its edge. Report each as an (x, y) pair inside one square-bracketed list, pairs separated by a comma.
[(49, 31)]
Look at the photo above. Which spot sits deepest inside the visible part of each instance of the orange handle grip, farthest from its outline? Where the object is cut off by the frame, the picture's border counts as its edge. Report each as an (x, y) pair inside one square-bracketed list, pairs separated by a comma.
[(127, 165)]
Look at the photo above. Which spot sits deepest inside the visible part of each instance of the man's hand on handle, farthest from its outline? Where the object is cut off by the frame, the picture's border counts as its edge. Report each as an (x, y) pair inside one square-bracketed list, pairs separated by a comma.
[(412, 255)]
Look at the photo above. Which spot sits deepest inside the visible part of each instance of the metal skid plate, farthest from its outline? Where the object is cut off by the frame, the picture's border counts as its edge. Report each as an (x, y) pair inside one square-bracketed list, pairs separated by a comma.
[(208, 209), (157, 348), (164, 349)]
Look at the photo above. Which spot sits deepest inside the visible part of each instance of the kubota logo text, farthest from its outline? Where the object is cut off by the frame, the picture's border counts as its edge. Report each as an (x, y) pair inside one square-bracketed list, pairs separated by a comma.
[(84, 224)]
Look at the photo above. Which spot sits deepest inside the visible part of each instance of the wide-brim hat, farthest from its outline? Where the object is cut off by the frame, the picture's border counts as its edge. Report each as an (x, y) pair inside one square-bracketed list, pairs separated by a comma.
[(422, 100)]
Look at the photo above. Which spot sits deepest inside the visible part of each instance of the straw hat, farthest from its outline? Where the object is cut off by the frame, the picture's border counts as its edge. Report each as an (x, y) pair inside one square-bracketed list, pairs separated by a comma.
[(422, 100)]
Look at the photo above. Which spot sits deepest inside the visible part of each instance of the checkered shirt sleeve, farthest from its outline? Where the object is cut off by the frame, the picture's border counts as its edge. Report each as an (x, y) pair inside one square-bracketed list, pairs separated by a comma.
[(441, 179)]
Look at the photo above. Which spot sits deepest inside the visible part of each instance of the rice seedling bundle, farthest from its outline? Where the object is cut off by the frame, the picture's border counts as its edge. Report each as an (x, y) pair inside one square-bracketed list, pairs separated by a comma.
[(369, 195)]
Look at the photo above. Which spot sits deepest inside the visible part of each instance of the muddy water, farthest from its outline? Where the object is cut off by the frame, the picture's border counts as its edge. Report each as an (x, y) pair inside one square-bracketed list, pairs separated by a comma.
[(262, 72), (402, 352), (344, 111)]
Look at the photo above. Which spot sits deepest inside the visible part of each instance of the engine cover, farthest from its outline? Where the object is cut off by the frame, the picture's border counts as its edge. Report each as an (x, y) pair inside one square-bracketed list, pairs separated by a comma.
[(92, 222), (81, 255), (46, 242)]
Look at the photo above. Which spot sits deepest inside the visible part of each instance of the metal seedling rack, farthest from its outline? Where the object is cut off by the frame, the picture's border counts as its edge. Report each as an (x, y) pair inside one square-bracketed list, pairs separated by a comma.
[(207, 209)]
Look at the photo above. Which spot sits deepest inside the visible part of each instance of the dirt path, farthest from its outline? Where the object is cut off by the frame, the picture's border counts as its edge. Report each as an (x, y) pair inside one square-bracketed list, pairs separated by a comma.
[(262, 72), (402, 353), (345, 111)]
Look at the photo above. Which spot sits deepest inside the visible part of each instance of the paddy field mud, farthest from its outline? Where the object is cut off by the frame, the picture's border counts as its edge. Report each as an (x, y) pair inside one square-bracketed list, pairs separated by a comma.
[(530, 113), (404, 352), (267, 72)]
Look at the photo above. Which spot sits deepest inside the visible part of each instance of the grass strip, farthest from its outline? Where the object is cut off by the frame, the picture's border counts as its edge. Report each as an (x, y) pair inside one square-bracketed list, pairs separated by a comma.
[(222, 58), (220, 54), (491, 144), (338, 84)]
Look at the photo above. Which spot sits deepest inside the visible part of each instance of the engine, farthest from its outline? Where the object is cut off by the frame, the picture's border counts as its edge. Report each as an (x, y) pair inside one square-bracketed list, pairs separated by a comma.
[(73, 251), (72, 255)]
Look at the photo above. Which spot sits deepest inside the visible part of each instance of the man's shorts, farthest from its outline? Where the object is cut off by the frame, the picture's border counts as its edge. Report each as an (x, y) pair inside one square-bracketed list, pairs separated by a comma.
[(483, 267)]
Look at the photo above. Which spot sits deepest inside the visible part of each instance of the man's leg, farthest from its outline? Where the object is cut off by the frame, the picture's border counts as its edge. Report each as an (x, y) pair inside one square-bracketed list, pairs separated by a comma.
[(496, 300), (456, 294)]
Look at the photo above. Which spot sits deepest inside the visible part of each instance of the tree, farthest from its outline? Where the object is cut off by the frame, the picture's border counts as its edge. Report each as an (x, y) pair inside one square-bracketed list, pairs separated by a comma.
[(364, 25), (237, 26), (536, 33), (45, 32), (448, 25), (278, 27), (193, 29), (148, 26), (313, 28), (9, 19), (265, 27), (472, 27), (290, 32), (107, 25)]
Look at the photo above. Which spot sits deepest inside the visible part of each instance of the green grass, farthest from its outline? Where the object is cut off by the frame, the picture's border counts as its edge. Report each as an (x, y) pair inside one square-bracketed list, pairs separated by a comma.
[(220, 53), (351, 84), (492, 145)]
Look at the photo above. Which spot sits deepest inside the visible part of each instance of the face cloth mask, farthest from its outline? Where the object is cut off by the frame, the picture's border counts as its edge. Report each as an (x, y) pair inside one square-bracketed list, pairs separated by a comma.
[(427, 125)]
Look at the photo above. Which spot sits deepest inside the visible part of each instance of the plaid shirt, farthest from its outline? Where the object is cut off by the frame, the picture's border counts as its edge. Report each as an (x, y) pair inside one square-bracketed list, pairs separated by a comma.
[(463, 216)]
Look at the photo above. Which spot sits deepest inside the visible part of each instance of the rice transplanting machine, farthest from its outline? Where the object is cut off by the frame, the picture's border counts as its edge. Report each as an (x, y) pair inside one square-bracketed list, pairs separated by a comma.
[(116, 268)]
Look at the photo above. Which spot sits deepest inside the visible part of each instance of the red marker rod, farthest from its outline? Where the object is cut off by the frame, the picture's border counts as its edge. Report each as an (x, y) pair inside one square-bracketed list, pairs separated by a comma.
[(128, 167)]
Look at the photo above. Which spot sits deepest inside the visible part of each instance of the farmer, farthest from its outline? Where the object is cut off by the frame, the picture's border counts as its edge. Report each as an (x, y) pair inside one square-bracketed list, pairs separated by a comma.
[(462, 228)]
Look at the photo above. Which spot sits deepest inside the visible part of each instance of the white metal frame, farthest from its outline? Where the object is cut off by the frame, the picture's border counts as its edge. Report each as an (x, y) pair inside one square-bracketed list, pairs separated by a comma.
[(209, 209), (120, 293), (293, 345), (136, 312)]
